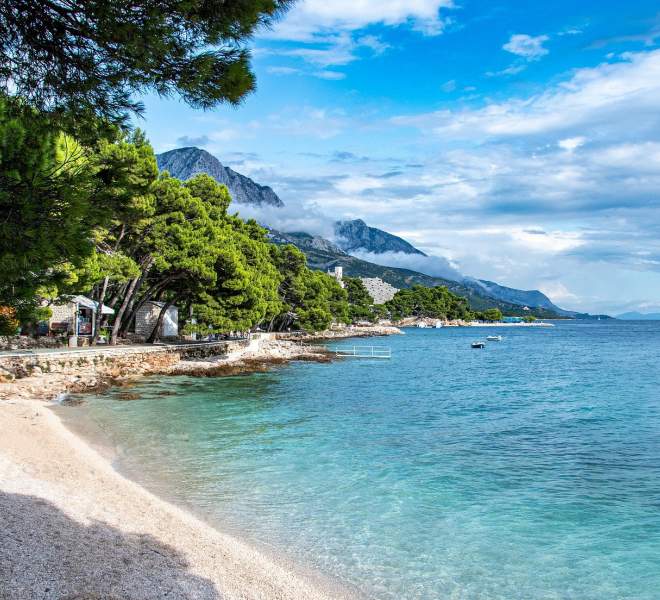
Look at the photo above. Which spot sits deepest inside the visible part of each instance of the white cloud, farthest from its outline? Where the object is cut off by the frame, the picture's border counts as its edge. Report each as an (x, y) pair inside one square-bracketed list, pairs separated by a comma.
[(616, 98), (330, 75), (530, 48), (309, 19), (282, 70), (572, 143), (436, 266), (308, 121), (557, 291), (328, 33)]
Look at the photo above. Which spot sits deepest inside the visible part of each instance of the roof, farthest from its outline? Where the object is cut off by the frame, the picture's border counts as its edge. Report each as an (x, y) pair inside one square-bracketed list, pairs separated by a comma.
[(89, 303)]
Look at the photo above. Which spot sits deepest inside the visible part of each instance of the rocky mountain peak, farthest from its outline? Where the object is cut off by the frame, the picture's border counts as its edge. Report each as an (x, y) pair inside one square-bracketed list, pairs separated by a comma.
[(184, 163)]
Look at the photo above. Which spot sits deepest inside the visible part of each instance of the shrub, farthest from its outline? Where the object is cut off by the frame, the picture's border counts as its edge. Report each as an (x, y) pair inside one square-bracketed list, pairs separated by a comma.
[(8, 321)]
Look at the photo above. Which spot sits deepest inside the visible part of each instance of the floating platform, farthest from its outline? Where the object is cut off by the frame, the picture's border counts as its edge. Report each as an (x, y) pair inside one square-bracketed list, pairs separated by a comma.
[(364, 352)]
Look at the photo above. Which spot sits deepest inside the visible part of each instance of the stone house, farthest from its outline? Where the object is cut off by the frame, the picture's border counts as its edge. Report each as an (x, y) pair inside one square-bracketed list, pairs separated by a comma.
[(147, 316), (75, 315)]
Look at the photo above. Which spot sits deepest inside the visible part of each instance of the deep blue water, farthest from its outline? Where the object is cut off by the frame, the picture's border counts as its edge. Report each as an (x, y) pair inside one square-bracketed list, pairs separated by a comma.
[(528, 470)]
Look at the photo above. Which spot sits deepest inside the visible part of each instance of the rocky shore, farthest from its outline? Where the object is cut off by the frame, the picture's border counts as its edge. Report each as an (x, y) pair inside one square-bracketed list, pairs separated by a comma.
[(48, 376)]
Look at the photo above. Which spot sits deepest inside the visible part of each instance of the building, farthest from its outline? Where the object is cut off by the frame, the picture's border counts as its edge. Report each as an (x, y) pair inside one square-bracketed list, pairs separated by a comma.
[(379, 290), (338, 274), (147, 316), (512, 319), (75, 315)]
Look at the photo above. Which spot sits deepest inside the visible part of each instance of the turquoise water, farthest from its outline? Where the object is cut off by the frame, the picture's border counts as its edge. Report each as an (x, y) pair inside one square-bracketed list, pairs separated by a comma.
[(528, 470)]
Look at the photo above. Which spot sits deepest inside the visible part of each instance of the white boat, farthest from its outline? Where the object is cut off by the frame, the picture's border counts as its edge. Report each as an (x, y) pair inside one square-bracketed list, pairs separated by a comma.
[(421, 325), (479, 344), (438, 324), (494, 338)]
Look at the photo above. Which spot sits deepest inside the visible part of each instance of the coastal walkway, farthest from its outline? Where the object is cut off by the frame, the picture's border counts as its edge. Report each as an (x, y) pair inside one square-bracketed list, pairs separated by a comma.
[(121, 349)]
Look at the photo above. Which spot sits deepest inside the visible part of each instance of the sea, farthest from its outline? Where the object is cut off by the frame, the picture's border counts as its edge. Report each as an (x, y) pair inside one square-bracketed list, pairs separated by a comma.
[(529, 469)]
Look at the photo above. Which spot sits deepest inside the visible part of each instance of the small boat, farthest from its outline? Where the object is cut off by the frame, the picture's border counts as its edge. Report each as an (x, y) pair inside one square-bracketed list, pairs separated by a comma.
[(438, 325), (478, 344), (421, 325), (494, 338)]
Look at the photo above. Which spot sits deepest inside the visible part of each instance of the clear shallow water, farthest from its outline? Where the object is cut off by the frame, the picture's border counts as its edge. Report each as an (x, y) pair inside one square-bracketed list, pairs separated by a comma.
[(528, 470)]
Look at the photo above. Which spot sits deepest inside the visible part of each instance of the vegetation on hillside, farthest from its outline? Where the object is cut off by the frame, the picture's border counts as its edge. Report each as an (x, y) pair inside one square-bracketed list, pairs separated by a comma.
[(431, 302)]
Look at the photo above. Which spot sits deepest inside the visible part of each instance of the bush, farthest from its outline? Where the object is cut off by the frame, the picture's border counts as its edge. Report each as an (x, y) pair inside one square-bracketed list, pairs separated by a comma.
[(8, 321)]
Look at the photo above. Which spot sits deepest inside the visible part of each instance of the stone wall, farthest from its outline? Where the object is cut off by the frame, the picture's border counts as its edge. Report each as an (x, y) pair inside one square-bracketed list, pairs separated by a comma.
[(110, 362)]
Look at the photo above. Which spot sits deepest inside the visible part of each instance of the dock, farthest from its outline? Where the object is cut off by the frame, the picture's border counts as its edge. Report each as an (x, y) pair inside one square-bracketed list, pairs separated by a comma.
[(383, 352)]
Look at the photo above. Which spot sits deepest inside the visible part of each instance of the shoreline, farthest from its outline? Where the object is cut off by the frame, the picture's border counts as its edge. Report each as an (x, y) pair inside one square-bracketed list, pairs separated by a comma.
[(76, 527), (81, 373)]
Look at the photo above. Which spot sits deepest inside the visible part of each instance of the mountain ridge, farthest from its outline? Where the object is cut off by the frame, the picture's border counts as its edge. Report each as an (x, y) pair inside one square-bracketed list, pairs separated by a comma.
[(184, 163), (357, 235), (638, 316)]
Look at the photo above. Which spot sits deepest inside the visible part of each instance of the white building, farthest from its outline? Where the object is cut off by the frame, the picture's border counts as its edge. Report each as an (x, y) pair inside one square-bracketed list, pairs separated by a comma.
[(147, 315), (338, 274), (379, 290)]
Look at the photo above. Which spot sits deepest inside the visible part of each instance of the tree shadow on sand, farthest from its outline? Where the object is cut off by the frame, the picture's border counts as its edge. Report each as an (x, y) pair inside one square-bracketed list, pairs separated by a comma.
[(45, 554)]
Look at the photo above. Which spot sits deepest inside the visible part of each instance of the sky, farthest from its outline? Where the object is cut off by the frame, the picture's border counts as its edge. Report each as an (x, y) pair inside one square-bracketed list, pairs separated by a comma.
[(512, 141)]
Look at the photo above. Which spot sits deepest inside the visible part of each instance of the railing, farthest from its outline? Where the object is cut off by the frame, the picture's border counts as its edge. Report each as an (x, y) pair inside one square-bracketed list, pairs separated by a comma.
[(364, 351)]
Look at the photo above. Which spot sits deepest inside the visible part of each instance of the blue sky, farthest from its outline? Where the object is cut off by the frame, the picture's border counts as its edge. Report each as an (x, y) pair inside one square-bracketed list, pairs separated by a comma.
[(513, 141)]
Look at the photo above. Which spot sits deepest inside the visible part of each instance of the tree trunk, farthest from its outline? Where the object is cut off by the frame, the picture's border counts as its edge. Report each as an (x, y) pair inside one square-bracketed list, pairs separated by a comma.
[(155, 334), (99, 311), (148, 295), (119, 293), (122, 310)]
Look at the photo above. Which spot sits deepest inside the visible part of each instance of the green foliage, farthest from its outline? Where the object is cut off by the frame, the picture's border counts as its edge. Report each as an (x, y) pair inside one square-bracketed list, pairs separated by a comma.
[(45, 187), (529, 319), (436, 303), (91, 59), (492, 314), (246, 293), (312, 300), (361, 306)]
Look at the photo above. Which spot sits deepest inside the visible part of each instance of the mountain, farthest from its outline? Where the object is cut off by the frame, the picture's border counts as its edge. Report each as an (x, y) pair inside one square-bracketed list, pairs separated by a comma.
[(184, 163), (324, 255), (357, 235), (531, 298), (638, 316)]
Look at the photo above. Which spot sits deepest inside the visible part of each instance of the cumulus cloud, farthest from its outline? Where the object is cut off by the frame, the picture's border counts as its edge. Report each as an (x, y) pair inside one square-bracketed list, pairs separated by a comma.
[(311, 18), (527, 46), (560, 187), (333, 33)]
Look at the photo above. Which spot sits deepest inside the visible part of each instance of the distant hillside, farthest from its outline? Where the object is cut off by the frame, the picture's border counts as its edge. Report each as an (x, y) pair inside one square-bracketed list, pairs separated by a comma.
[(357, 235), (637, 316), (184, 163), (524, 298), (323, 255)]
